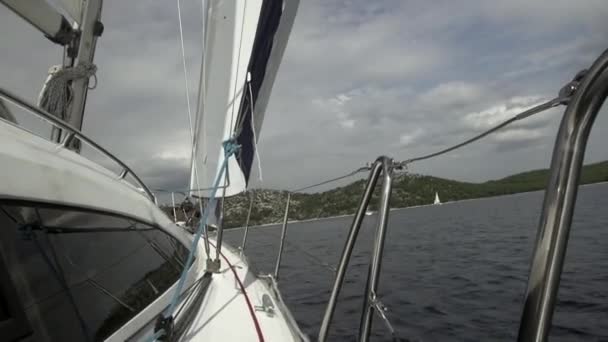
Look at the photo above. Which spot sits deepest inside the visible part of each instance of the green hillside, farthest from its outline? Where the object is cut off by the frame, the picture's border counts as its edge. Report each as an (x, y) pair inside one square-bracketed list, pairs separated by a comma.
[(408, 190)]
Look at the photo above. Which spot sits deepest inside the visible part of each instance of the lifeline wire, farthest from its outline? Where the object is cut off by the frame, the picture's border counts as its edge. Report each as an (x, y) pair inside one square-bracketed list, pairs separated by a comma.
[(563, 98), (534, 110), (352, 173)]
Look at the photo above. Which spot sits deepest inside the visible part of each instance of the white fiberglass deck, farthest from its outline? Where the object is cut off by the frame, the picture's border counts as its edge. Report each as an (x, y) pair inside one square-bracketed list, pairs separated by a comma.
[(232, 307)]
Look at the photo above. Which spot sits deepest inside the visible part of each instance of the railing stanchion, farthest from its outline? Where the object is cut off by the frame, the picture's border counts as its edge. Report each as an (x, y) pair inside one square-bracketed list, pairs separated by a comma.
[(373, 277), (558, 205), (173, 206), (220, 231), (277, 266), (242, 249), (376, 168)]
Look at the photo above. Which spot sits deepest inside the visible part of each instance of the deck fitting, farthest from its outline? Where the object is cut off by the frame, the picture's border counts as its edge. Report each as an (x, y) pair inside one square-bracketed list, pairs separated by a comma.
[(213, 266)]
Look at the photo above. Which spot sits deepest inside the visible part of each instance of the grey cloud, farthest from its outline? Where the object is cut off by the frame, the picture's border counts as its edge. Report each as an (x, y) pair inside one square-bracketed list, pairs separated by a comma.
[(519, 144), (407, 67)]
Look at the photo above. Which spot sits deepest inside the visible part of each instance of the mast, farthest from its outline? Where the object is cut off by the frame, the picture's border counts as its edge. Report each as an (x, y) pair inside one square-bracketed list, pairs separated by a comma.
[(78, 39), (90, 28)]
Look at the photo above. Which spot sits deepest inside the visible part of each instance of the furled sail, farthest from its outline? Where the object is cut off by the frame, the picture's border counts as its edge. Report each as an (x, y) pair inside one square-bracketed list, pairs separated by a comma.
[(244, 44)]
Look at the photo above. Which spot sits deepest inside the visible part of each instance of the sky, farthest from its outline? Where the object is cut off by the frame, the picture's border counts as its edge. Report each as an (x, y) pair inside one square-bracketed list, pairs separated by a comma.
[(359, 79)]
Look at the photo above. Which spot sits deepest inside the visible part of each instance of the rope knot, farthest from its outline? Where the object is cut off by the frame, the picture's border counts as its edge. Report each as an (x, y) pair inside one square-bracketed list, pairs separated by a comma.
[(230, 147)]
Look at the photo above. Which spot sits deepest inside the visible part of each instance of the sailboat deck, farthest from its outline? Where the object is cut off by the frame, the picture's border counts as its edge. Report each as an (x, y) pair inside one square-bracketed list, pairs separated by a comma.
[(230, 307), (238, 305)]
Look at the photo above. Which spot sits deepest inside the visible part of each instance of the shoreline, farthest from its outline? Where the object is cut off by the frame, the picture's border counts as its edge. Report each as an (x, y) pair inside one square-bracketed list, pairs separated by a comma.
[(266, 225)]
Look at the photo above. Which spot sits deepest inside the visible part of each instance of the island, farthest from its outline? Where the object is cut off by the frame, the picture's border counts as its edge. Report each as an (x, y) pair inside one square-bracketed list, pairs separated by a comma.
[(408, 190)]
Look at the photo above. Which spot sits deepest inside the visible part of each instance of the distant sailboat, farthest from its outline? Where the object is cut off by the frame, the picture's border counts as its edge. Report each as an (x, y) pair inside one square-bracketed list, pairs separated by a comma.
[(437, 201)]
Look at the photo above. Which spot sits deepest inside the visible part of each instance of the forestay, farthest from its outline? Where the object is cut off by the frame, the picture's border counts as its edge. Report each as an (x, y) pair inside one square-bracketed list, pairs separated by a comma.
[(244, 42)]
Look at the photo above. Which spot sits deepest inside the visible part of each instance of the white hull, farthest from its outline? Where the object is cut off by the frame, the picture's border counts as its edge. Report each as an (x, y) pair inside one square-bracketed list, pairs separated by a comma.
[(39, 171)]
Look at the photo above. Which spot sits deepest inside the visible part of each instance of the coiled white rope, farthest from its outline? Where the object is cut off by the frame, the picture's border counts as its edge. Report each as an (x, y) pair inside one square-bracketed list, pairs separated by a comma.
[(56, 94)]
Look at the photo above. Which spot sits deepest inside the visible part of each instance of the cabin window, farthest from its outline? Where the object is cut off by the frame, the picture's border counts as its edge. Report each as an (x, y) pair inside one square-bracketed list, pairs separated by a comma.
[(81, 275), (13, 323)]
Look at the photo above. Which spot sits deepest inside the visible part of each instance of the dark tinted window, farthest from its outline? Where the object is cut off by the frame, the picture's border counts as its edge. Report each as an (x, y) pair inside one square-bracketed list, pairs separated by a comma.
[(81, 275), (13, 322)]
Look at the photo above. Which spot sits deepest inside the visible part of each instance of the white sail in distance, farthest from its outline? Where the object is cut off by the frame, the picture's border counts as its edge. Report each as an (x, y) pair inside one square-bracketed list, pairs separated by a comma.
[(437, 201), (243, 45)]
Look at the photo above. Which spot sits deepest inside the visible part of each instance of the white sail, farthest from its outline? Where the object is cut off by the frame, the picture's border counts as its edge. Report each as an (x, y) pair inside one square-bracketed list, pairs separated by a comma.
[(244, 43), (437, 201)]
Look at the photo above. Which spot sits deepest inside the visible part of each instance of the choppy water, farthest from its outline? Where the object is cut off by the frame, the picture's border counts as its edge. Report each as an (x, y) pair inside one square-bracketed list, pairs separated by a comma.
[(452, 272)]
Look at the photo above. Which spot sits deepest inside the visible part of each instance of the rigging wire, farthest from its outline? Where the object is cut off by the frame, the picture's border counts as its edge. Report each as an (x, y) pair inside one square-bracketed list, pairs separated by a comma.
[(230, 148), (238, 59), (562, 99), (192, 138), (185, 68), (564, 96)]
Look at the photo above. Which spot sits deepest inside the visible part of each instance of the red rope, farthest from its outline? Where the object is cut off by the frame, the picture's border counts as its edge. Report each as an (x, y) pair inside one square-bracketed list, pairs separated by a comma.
[(251, 310)]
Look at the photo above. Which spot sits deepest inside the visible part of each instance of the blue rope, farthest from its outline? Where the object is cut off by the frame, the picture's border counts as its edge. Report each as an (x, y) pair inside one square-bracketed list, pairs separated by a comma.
[(230, 148)]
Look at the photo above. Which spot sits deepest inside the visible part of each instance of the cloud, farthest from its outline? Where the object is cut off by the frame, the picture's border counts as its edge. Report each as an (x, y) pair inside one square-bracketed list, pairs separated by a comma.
[(407, 139), (518, 134), (337, 105), (451, 94), (496, 114), (516, 139), (359, 79)]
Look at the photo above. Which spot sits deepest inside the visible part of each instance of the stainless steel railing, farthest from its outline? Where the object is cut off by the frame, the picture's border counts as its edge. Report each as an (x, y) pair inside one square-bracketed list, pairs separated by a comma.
[(277, 266), (559, 201), (383, 165), (584, 96), (74, 134), (242, 248)]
